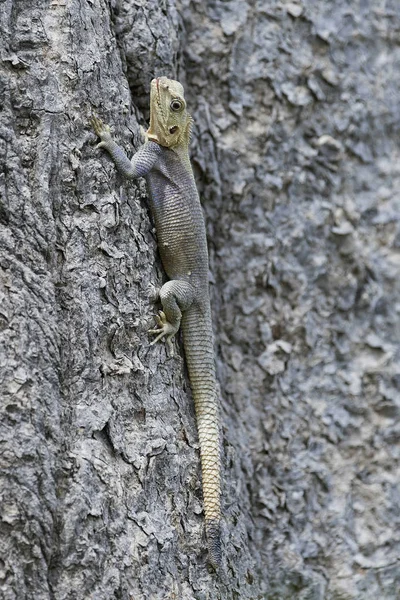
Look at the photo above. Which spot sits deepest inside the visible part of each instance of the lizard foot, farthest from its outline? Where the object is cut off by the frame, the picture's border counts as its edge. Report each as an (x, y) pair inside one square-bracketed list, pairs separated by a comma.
[(165, 329), (102, 130)]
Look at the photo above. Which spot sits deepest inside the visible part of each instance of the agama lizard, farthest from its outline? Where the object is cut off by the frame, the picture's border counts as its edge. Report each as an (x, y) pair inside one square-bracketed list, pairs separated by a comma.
[(175, 204)]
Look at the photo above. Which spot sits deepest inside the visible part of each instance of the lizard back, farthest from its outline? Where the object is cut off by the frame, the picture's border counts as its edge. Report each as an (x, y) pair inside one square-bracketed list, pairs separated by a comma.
[(178, 216)]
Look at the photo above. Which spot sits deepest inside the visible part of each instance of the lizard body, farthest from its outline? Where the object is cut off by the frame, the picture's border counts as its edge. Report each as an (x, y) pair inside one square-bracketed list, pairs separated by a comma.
[(175, 204)]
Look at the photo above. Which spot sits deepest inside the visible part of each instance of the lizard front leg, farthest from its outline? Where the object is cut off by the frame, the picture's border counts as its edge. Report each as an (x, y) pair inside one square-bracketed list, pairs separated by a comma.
[(141, 163), (176, 297)]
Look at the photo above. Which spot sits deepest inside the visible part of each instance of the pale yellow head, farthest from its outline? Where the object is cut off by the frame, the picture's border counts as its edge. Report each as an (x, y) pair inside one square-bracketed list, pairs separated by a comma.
[(169, 120)]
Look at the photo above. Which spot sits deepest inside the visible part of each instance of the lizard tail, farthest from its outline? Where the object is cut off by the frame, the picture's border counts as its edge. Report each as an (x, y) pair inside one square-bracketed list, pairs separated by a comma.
[(213, 532), (199, 351)]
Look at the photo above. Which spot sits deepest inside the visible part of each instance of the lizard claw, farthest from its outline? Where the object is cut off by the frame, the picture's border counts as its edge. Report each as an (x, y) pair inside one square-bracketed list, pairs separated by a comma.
[(165, 329), (100, 129)]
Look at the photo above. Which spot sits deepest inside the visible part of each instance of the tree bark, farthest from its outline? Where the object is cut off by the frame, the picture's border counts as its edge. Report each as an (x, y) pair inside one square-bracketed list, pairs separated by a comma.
[(297, 158)]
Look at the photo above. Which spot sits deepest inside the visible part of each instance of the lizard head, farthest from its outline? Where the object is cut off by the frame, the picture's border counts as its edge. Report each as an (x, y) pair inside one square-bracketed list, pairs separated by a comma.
[(169, 121)]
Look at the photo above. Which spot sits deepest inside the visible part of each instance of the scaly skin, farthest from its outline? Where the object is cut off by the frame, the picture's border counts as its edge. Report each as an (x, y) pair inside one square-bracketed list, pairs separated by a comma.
[(175, 204)]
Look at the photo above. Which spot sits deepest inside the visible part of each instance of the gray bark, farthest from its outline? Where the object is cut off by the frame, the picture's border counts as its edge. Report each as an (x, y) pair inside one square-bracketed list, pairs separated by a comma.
[(296, 153)]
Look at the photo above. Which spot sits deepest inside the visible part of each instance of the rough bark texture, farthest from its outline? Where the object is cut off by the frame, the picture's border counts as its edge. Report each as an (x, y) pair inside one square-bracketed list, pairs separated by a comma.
[(296, 149)]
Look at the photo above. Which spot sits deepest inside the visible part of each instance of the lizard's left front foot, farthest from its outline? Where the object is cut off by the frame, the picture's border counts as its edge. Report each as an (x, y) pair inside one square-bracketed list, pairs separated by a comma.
[(166, 329), (102, 130)]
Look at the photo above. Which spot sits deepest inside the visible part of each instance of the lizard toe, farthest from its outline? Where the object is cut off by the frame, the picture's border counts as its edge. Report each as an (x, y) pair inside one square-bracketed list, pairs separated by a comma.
[(164, 329)]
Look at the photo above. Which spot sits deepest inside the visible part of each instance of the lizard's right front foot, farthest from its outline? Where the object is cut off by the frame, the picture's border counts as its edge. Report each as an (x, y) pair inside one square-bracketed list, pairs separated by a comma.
[(166, 329), (102, 130)]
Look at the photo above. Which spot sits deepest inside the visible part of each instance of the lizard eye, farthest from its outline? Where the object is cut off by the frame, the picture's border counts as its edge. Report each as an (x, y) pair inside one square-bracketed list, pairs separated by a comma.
[(176, 105), (173, 129)]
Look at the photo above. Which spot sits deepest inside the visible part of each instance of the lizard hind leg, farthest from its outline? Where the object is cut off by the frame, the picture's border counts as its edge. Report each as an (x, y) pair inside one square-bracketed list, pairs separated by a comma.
[(176, 296)]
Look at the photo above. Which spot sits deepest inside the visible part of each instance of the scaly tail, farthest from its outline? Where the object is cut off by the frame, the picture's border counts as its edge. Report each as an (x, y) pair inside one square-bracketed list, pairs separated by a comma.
[(199, 351)]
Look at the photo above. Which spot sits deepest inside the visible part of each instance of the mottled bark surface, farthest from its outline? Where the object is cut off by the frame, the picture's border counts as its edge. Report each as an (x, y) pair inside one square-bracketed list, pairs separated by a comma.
[(296, 151)]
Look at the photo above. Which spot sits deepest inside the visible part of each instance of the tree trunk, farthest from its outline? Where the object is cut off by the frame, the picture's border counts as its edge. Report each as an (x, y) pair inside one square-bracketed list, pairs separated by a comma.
[(296, 153)]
